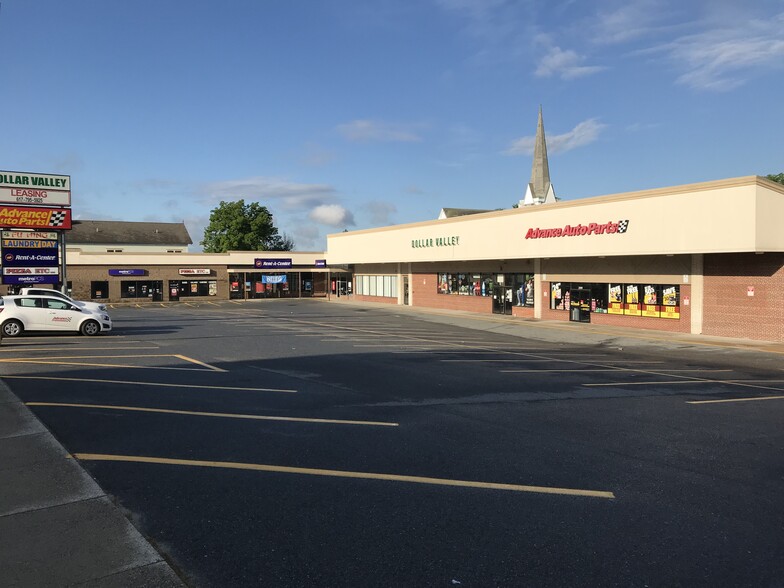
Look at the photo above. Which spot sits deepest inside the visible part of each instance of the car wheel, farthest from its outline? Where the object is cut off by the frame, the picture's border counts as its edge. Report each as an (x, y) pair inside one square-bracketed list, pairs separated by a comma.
[(12, 328), (90, 328)]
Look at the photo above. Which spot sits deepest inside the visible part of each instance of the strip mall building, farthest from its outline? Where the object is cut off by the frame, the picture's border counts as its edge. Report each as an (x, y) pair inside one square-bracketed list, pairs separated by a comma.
[(703, 258)]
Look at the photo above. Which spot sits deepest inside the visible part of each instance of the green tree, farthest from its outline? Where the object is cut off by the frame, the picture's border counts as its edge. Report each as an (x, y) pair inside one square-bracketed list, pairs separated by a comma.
[(776, 178), (236, 226)]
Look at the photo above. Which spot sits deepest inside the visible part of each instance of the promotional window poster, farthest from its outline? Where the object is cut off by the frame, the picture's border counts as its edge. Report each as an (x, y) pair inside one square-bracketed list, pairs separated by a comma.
[(632, 300), (615, 300)]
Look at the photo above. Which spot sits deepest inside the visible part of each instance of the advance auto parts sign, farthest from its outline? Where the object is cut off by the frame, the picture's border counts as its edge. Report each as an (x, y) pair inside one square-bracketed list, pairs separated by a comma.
[(580, 230), (18, 217)]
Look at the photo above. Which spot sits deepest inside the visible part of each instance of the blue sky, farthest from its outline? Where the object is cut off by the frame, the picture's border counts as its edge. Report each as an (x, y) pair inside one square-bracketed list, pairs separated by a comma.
[(352, 114)]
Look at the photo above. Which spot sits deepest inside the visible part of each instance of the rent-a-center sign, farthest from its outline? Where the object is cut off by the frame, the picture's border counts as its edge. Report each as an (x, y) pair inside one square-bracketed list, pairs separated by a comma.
[(35, 189)]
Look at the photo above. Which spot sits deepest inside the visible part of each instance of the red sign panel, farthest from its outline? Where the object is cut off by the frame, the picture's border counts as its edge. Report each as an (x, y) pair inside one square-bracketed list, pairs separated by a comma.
[(17, 217)]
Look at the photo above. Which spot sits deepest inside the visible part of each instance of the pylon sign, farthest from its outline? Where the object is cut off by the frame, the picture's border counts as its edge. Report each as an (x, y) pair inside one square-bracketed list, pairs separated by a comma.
[(36, 208), (29, 260)]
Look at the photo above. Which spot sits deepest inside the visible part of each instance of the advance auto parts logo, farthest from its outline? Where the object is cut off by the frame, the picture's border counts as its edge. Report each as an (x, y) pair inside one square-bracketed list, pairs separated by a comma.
[(579, 230)]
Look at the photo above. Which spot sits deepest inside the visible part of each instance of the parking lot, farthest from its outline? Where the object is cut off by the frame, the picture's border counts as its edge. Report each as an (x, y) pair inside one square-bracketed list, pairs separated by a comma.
[(307, 443)]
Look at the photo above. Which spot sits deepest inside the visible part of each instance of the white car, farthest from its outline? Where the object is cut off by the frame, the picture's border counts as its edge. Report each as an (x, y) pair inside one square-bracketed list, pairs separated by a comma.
[(21, 313), (94, 306)]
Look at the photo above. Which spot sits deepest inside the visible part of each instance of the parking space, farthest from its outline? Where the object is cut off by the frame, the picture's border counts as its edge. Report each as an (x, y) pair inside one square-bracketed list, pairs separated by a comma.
[(322, 426)]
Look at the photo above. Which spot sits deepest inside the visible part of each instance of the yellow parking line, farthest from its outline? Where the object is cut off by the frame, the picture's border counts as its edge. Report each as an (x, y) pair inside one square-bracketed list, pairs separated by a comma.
[(583, 371), (735, 400), (196, 361), (215, 414), (345, 474), (95, 364), (31, 348), (740, 383), (666, 383), (570, 360), (15, 359), (160, 384), (64, 360), (663, 372)]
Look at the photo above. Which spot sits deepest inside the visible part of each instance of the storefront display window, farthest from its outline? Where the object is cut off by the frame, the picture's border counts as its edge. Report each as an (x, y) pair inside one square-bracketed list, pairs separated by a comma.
[(671, 299), (385, 286), (99, 290), (648, 300), (632, 306), (468, 284), (615, 299), (198, 288), (149, 289), (523, 285), (595, 299)]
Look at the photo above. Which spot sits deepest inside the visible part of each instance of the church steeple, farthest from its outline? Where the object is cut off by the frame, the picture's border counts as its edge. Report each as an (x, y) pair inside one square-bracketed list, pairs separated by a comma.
[(539, 190)]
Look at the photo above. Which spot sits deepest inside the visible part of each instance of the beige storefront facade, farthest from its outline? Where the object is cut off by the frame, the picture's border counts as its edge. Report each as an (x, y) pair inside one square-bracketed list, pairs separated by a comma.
[(143, 276), (701, 258)]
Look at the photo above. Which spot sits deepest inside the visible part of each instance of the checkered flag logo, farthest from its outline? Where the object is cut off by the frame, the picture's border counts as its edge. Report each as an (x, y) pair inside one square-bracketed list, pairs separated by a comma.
[(622, 226), (57, 218)]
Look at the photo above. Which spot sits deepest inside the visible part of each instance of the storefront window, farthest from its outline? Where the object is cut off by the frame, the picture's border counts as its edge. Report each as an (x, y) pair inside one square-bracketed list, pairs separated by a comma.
[(198, 287), (466, 284), (615, 299), (385, 286), (149, 289), (632, 306), (523, 286), (558, 296), (648, 300), (599, 298), (671, 300), (99, 290)]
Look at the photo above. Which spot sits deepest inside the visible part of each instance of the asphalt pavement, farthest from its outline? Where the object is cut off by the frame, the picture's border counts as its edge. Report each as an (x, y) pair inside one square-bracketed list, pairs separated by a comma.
[(59, 528)]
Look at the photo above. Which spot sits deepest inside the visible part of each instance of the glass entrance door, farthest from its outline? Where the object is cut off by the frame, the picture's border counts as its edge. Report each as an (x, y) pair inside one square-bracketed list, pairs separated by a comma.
[(502, 299), (580, 306)]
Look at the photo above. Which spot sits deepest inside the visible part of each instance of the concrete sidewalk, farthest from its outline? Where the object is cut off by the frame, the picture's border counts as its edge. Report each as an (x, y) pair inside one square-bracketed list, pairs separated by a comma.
[(562, 331), (57, 527)]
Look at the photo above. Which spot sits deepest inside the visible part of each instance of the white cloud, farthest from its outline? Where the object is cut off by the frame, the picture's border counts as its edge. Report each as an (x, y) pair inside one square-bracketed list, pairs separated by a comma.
[(631, 20), (564, 64), (289, 195), (366, 131), (380, 212), (725, 58), (491, 20), (333, 215), (583, 134)]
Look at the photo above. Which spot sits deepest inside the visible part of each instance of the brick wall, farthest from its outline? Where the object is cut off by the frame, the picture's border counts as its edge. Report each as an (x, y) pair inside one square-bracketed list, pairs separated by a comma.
[(523, 311), (728, 309), (424, 292)]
